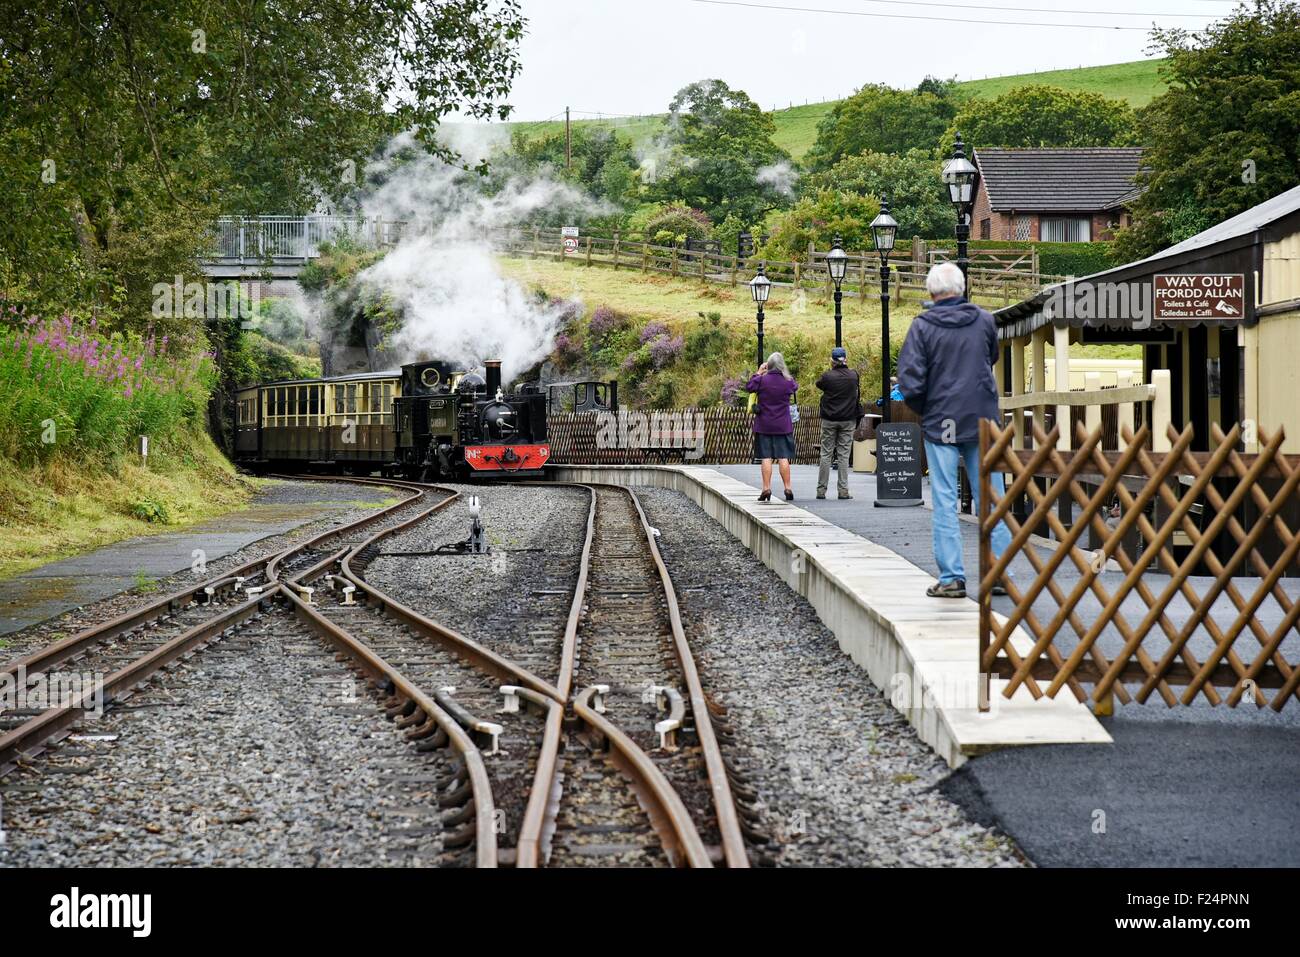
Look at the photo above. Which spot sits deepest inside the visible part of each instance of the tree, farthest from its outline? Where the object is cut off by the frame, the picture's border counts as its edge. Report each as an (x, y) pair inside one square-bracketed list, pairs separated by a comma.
[(603, 162), (880, 119), (1045, 116), (716, 147), (911, 182), (130, 125), (1226, 134), (818, 218)]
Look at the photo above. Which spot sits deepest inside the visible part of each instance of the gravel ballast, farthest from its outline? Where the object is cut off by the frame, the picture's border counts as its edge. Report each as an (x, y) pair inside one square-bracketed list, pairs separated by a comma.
[(262, 750), (843, 778)]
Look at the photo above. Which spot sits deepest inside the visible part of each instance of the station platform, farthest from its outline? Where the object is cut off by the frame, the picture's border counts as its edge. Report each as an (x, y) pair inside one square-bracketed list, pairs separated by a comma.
[(61, 586)]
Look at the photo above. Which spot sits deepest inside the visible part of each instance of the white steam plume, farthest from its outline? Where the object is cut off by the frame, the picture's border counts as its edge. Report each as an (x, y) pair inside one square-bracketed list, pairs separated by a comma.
[(443, 278), (780, 176)]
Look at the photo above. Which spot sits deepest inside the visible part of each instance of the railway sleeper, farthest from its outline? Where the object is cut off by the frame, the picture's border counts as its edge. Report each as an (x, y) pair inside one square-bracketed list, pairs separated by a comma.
[(457, 797), (483, 732), (459, 815), (463, 837), (434, 742)]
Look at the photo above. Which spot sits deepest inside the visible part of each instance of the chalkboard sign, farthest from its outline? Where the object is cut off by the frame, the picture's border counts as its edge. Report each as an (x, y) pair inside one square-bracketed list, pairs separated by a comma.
[(898, 464)]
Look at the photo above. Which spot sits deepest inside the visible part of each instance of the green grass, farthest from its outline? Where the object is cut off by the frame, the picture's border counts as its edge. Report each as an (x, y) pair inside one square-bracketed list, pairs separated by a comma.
[(1138, 82), (54, 509), (796, 126)]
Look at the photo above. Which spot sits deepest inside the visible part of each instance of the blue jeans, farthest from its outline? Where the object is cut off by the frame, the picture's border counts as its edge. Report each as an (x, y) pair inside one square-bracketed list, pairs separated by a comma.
[(942, 459)]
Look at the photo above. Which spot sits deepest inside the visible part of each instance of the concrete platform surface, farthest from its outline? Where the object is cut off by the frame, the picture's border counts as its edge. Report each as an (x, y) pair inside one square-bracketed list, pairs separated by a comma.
[(61, 586)]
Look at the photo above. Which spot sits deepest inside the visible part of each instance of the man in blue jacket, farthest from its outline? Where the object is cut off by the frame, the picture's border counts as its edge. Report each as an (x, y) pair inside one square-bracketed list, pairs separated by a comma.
[(945, 372)]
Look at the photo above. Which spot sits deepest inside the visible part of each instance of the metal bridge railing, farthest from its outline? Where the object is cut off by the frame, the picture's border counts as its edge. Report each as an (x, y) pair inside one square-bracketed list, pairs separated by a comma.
[(296, 238)]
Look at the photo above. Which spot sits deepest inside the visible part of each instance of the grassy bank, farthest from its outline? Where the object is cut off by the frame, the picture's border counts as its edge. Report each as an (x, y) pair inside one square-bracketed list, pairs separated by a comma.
[(1137, 83), (52, 510), (699, 354)]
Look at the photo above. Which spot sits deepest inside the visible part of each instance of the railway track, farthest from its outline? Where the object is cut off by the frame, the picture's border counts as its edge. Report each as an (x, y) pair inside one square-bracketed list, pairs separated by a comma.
[(625, 769), (588, 740), (113, 657)]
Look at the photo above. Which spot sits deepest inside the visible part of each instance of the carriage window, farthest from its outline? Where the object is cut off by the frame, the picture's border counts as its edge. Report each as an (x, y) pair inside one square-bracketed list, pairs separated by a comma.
[(313, 400), (352, 399), (338, 400)]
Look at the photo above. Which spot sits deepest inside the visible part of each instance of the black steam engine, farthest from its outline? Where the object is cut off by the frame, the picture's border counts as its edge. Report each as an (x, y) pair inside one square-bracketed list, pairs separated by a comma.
[(460, 424)]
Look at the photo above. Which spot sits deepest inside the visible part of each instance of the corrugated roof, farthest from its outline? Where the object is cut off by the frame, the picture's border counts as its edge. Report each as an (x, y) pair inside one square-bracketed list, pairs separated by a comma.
[(1058, 180)]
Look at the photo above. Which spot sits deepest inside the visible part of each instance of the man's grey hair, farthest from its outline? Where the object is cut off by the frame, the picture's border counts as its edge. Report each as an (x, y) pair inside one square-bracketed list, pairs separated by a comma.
[(776, 363), (945, 281)]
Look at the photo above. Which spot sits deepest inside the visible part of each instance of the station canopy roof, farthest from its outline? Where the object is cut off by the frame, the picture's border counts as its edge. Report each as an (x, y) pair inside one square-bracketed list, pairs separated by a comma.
[(1233, 248)]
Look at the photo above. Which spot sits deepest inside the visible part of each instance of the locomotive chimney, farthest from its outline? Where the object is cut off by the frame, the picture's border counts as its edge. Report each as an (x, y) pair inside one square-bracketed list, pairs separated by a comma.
[(493, 377)]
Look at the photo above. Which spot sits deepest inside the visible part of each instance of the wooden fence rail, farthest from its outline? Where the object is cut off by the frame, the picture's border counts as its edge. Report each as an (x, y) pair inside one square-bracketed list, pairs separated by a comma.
[(1239, 514), (719, 436), (992, 277)]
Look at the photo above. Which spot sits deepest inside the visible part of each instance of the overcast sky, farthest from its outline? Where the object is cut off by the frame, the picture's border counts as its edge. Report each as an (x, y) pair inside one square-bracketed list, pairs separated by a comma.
[(630, 56)]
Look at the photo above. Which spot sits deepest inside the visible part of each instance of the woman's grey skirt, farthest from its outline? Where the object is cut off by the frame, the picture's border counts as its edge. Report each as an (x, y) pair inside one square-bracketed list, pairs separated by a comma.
[(775, 446)]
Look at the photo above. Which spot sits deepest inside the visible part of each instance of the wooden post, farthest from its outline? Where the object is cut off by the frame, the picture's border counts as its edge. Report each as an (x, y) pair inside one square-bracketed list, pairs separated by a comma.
[(796, 276), (537, 238), (1061, 345), (1124, 412), (1092, 411), (1018, 388), (735, 268), (1038, 356), (1161, 410), (588, 250), (704, 258), (645, 256), (616, 241), (674, 270)]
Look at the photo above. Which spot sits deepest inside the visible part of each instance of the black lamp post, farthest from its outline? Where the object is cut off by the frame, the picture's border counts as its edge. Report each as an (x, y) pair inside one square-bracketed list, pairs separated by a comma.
[(837, 263), (960, 174), (884, 228), (760, 286)]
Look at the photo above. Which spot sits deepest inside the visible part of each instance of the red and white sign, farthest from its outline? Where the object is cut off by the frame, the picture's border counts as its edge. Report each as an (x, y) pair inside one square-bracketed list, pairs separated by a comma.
[(1193, 297), (570, 234), (506, 458)]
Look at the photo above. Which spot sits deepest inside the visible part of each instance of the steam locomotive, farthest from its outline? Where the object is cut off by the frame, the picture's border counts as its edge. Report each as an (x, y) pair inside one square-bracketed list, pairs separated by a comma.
[(427, 421)]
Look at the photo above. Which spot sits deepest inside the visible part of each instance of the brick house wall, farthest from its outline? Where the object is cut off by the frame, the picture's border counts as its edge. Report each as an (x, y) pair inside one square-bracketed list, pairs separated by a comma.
[(1001, 224)]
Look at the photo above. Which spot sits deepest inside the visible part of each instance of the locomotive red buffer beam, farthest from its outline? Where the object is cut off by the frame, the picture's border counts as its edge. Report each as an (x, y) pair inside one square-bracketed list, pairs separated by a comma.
[(507, 458)]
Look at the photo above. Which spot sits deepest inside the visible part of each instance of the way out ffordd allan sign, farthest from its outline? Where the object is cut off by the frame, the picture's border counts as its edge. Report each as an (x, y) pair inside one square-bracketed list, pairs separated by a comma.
[(1195, 296)]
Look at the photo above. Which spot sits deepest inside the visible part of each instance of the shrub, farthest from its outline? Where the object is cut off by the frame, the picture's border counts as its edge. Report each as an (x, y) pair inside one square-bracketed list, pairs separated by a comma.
[(605, 321), (70, 390), (733, 393), (652, 330), (152, 511), (708, 340), (665, 350), (676, 224)]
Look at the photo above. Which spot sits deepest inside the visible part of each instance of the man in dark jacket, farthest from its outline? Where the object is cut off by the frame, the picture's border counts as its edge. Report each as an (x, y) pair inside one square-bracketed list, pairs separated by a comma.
[(839, 414), (945, 372)]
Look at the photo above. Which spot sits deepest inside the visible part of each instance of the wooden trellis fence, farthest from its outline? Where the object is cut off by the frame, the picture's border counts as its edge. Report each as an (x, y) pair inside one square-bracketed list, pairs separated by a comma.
[(603, 438), (1249, 506)]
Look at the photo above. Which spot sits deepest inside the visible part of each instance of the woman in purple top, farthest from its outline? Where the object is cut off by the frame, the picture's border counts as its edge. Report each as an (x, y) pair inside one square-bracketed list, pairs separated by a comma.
[(773, 428)]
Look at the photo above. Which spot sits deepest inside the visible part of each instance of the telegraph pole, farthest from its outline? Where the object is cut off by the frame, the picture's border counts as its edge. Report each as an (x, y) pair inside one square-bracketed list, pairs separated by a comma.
[(568, 142)]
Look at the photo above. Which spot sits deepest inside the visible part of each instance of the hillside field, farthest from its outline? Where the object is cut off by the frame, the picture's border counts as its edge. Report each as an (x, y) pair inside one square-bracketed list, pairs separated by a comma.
[(1137, 83)]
